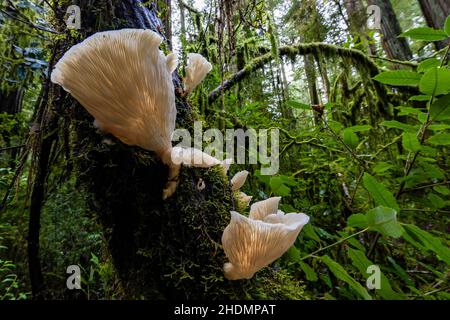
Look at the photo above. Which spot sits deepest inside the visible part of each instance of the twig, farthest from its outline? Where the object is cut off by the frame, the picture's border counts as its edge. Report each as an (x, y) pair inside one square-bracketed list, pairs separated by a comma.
[(12, 147), (406, 63), (334, 244), (29, 23)]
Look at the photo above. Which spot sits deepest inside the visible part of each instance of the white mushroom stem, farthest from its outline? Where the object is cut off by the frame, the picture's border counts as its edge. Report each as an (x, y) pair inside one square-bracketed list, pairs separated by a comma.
[(191, 157), (251, 245), (238, 180), (196, 70)]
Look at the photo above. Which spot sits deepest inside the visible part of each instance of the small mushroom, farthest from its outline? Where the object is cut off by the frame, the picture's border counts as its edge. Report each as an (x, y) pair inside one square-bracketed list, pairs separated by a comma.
[(251, 245), (196, 70), (238, 180), (245, 199)]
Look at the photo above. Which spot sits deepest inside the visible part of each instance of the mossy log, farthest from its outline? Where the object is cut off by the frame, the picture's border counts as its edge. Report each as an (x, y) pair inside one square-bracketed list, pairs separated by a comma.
[(160, 249)]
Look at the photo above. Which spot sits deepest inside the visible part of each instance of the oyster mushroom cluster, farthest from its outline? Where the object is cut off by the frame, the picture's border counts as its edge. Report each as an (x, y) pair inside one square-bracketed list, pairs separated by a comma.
[(252, 243), (125, 82)]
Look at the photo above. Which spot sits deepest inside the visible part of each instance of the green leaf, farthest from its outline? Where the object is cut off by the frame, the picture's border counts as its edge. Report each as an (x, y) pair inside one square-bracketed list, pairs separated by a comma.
[(398, 78), (357, 220), (436, 201), (382, 167), (341, 274), (442, 139), (425, 34), (447, 26), (278, 187), (422, 97), (350, 138), (428, 241), (427, 64), (442, 190), (399, 125), (401, 272), (298, 105), (440, 109), (361, 262), (311, 275), (384, 220), (410, 142), (435, 81), (309, 232), (381, 195), (439, 127), (409, 110)]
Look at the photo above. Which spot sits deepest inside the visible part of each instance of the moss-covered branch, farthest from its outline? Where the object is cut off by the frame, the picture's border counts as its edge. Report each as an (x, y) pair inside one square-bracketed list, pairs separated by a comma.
[(362, 62)]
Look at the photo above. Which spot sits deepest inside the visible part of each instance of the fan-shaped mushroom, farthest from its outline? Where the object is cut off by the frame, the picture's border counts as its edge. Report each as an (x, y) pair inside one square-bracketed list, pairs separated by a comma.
[(196, 70), (251, 245), (124, 81), (238, 180)]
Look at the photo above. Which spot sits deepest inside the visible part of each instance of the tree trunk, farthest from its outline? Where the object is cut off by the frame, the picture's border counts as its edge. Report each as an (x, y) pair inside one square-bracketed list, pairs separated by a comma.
[(357, 23), (395, 47), (310, 71), (435, 13), (160, 249), (11, 103)]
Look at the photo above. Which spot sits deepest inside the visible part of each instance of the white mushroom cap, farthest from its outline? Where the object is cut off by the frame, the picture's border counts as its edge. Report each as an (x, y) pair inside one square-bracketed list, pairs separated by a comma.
[(238, 180), (251, 245), (124, 81), (261, 209), (196, 70)]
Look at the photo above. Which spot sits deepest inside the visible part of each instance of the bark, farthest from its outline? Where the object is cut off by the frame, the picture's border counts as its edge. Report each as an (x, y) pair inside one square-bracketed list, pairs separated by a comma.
[(310, 71), (395, 47), (160, 249), (435, 13), (11, 103), (357, 23), (44, 131)]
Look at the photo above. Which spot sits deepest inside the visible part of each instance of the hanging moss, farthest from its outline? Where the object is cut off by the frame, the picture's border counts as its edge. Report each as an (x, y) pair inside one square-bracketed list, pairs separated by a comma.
[(365, 66)]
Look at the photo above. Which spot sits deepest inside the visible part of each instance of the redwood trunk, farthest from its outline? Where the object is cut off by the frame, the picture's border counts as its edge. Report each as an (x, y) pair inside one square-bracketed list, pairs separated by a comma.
[(435, 13), (395, 47)]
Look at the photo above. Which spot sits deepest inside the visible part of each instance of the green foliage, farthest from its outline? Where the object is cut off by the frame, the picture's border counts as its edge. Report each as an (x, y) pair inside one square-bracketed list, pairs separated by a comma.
[(425, 34), (398, 78), (379, 192), (368, 162), (341, 274)]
